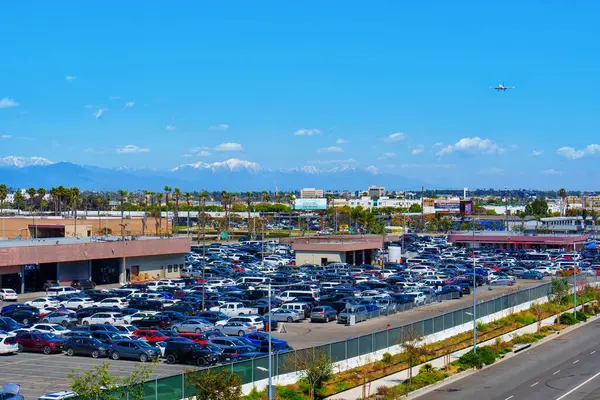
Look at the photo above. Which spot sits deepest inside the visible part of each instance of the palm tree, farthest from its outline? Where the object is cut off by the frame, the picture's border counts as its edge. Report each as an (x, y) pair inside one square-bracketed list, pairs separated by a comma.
[(167, 191), (159, 197), (130, 200), (31, 192), (188, 202), (3, 195), (41, 192), (249, 204), (18, 200), (145, 203), (225, 203), (176, 196), (122, 196)]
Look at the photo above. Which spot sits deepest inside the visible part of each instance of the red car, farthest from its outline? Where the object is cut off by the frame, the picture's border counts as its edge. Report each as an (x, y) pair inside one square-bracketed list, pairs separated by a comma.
[(43, 342), (151, 336), (194, 337)]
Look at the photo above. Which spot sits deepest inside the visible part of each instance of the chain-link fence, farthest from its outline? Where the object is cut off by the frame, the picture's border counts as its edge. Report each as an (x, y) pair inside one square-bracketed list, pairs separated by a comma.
[(282, 363)]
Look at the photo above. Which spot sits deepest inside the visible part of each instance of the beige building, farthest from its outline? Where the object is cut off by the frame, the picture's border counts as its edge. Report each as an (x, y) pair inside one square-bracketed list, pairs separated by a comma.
[(311, 193), (376, 192)]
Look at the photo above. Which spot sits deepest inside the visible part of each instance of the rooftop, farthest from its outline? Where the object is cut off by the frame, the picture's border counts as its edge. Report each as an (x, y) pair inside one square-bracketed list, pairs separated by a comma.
[(73, 240)]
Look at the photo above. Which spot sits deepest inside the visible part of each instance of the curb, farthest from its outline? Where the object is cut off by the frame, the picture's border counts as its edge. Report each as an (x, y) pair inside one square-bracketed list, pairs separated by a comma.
[(464, 374)]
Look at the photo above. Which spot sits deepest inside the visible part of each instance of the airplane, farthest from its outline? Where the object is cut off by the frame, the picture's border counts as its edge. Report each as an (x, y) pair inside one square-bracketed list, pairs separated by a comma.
[(501, 87)]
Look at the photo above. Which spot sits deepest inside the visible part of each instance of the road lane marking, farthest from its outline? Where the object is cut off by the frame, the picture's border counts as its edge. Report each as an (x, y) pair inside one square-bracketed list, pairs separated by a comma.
[(593, 352), (578, 386), (534, 384), (575, 362), (556, 372), (508, 398)]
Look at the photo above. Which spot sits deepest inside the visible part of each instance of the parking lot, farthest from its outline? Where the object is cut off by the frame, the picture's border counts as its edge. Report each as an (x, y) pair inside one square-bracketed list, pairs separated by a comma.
[(39, 374)]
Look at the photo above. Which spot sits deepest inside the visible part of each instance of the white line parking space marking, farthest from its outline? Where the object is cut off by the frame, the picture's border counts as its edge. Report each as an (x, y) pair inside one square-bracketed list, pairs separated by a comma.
[(556, 372), (578, 386), (508, 398), (593, 352), (534, 384), (575, 362)]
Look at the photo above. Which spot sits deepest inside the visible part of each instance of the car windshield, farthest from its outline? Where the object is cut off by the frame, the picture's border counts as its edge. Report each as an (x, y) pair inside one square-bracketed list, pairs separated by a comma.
[(95, 342), (59, 328), (144, 345), (212, 348), (48, 336)]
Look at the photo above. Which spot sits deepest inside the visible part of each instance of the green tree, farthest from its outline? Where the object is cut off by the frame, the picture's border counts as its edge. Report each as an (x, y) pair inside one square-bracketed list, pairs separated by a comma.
[(315, 369), (176, 197), (414, 208), (188, 203), (538, 208), (210, 385), (18, 202), (122, 197), (559, 291), (41, 192)]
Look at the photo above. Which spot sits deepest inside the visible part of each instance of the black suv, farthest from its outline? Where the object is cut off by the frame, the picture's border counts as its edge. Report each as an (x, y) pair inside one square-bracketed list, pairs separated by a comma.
[(83, 284), (146, 305), (191, 353)]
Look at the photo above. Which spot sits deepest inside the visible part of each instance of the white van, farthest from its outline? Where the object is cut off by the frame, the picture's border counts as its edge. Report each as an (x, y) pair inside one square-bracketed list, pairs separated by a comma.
[(253, 279), (303, 309), (289, 295), (60, 290)]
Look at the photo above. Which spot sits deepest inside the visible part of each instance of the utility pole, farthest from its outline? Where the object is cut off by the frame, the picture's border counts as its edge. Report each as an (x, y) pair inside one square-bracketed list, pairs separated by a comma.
[(203, 250), (474, 295), (423, 208), (270, 383)]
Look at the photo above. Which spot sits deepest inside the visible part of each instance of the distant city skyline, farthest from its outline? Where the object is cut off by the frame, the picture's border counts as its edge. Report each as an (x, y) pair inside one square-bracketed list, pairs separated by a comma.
[(397, 91)]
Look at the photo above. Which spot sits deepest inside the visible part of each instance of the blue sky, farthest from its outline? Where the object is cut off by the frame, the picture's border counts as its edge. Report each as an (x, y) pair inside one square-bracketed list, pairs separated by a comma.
[(311, 83)]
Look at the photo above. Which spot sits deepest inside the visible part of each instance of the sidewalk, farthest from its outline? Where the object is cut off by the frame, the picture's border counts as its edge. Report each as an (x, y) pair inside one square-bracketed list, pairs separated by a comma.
[(399, 377)]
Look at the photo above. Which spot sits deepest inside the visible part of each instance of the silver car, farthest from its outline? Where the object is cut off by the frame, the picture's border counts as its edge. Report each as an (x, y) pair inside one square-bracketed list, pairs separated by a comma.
[(193, 325), (237, 328), (61, 318), (284, 315)]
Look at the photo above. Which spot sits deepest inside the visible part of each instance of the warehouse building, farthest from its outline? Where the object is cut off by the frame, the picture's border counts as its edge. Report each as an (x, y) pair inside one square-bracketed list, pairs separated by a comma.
[(26, 264), (516, 241)]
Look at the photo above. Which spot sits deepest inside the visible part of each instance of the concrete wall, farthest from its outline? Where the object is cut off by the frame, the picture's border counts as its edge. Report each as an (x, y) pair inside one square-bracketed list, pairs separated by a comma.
[(314, 257), (157, 265), (73, 270)]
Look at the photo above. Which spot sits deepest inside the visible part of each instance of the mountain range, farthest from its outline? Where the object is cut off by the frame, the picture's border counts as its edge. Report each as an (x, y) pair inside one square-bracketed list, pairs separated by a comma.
[(232, 175)]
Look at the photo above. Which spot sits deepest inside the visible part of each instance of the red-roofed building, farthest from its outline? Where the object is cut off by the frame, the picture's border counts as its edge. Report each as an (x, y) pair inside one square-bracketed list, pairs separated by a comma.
[(514, 241)]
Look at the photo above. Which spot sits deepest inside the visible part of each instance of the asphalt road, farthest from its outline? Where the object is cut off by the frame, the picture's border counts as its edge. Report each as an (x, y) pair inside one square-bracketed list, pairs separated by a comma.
[(566, 368)]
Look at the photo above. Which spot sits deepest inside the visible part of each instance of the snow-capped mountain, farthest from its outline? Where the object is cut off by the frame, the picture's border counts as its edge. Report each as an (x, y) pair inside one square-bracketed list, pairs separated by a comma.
[(233, 164), (22, 162), (232, 175)]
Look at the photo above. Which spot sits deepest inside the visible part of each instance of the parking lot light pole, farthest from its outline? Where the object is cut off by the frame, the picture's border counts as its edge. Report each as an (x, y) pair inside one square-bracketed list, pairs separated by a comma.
[(270, 387), (474, 295)]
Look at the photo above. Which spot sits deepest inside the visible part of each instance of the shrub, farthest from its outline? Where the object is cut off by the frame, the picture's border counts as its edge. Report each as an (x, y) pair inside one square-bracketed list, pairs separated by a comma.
[(340, 386), (579, 316), (285, 393), (487, 355), (470, 360), (567, 319), (386, 358), (526, 319), (426, 368)]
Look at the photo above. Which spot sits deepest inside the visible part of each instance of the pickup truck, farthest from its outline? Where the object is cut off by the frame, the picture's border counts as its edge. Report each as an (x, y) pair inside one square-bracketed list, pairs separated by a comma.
[(234, 309)]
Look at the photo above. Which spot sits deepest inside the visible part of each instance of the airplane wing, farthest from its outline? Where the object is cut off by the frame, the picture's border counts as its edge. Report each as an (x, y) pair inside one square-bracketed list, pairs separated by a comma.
[(509, 87)]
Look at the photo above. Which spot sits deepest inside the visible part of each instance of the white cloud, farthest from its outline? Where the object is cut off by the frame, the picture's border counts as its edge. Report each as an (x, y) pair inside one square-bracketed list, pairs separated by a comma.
[(347, 161), (202, 151), (229, 147), (341, 141), (5, 136), (418, 150), (536, 153), (387, 155), (7, 102), (127, 105), (307, 132), (130, 148), (99, 113), (219, 127), (70, 78), (438, 144), (330, 149), (573, 154), (428, 166), (395, 137), (513, 147), (551, 171), (471, 146), (170, 128)]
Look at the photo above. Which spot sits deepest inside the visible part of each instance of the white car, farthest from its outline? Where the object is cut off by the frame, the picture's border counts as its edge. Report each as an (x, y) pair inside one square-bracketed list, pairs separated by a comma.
[(43, 302), (8, 344), (102, 318), (55, 329), (111, 302), (8, 294), (77, 303), (128, 319)]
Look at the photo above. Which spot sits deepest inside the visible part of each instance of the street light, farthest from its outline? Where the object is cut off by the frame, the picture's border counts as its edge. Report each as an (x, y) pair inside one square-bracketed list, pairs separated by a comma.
[(270, 387), (474, 294)]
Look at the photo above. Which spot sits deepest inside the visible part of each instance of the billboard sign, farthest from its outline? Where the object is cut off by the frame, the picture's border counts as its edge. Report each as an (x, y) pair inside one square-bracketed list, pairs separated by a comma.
[(466, 207), (448, 206), (310, 204)]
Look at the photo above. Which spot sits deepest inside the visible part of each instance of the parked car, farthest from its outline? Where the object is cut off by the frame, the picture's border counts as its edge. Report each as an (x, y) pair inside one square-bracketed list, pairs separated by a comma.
[(55, 329), (191, 353), (102, 318), (359, 313), (532, 275), (262, 341), (43, 302), (133, 350), (41, 342), (83, 284), (152, 322), (86, 346), (50, 283), (283, 315), (323, 314), (8, 295), (8, 344), (60, 317), (77, 303), (236, 328), (24, 316), (212, 316), (192, 325), (151, 336)]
